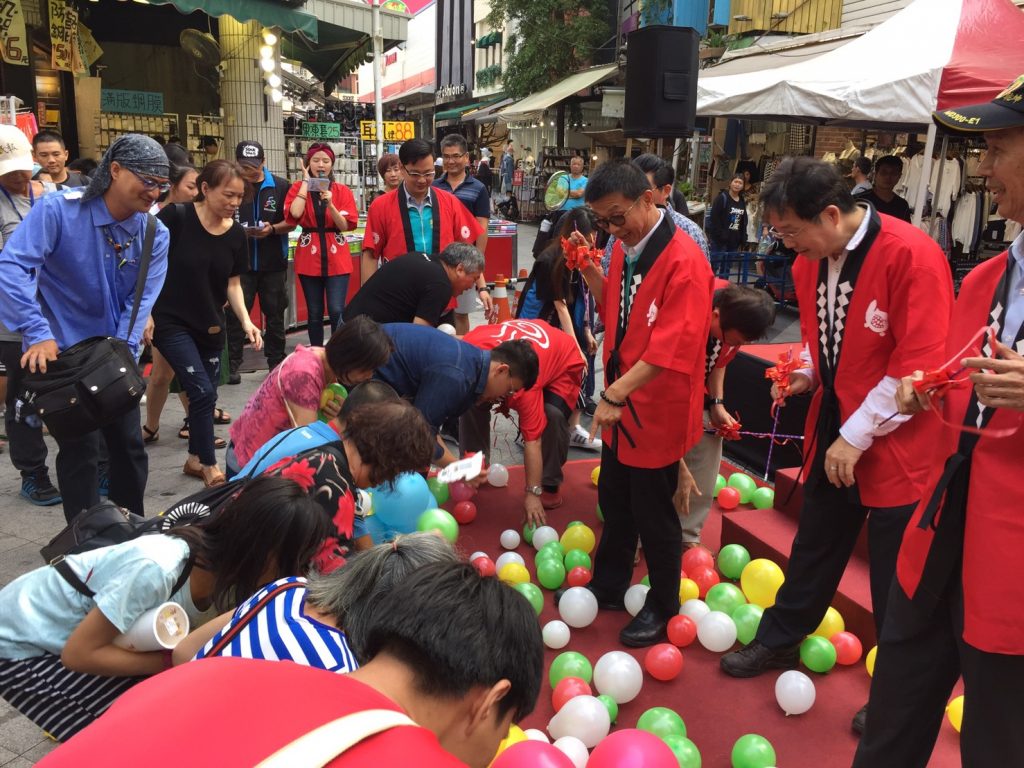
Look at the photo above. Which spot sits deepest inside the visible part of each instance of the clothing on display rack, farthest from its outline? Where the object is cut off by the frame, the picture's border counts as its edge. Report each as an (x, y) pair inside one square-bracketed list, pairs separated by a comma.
[(951, 176)]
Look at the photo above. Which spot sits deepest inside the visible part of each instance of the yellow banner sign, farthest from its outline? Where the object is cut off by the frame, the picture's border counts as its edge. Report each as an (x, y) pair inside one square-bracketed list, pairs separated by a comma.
[(393, 130), (63, 35), (13, 40)]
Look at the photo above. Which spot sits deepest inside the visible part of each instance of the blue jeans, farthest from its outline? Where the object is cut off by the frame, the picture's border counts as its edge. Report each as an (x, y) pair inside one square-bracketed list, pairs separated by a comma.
[(198, 371), (314, 288)]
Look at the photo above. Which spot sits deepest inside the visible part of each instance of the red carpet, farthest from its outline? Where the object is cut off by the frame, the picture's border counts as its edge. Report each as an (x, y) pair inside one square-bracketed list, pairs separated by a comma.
[(717, 709)]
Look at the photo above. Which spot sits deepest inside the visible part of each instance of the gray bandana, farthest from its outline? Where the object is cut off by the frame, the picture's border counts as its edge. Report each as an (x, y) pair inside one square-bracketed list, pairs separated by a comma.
[(135, 151)]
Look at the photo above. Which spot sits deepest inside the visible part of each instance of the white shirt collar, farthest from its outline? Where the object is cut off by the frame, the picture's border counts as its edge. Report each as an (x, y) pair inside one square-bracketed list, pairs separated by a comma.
[(862, 230), (1017, 251), (634, 252), (412, 200)]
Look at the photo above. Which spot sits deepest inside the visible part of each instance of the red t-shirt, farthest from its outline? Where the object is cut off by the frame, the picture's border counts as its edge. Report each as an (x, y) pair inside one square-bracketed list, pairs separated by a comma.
[(227, 711), (385, 235), (560, 367)]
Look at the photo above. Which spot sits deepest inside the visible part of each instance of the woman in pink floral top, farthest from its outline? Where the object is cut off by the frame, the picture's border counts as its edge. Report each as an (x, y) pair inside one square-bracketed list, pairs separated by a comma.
[(290, 395)]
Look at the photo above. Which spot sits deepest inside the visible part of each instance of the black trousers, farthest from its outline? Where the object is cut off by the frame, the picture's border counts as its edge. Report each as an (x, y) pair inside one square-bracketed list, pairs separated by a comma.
[(24, 439), (830, 522), (78, 459), (638, 503), (271, 288), (920, 656)]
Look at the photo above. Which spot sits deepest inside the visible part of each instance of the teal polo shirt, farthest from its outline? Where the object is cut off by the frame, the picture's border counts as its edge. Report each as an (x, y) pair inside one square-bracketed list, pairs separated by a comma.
[(421, 219)]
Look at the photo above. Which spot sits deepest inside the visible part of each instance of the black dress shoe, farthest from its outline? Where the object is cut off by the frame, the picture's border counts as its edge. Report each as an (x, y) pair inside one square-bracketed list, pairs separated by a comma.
[(757, 658), (603, 602), (860, 719), (234, 378), (646, 628)]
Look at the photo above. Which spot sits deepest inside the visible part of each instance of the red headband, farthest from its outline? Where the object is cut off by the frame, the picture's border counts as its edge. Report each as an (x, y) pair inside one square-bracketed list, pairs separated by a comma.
[(319, 148)]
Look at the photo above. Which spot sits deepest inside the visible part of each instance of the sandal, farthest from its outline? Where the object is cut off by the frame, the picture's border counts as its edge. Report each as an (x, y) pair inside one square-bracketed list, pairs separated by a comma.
[(150, 435), (193, 470), (220, 417), (215, 479), (183, 432), (219, 443)]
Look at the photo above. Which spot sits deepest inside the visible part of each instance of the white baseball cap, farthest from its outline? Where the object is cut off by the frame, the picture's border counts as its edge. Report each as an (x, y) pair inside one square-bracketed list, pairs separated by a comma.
[(15, 150)]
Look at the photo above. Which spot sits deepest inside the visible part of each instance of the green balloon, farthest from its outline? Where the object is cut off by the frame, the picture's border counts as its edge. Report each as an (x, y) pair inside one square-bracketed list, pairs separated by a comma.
[(719, 485), (528, 530), (732, 560), (577, 558), (753, 751), (817, 654), (553, 546), (441, 521), (438, 489), (600, 514), (574, 522), (646, 580), (744, 484), (662, 722), (550, 573), (611, 705), (747, 618), (686, 751), (725, 597), (570, 664), (532, 593), (763, 498)]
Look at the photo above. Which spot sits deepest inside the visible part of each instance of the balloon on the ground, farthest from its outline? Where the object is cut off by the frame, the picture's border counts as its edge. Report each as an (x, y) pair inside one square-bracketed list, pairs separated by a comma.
[(439, 520), (579, 577), (760, 581), (574, 749), (513, 573), (728, 498), (955, 712), (528, 531), (509, 539), (705, 579), (595, 474), (663, 662), (682, 630), (763, 498), (611, 705), (438, 489), (577, 558), (753, 751), (556, 634), (695, 609), (632, 748), (399, 507), (744, 484), (543, 535), (688, 590), (599, 513), (584, 717), (477, 554), (515, 736), (484, 566), (447, 328), (817, 654), (567, 688), (848, 648), (578, 537), (550, 573), (686, 752), (497, 475), (532, 593), (716, 632), (795, 692), (570, 664), (719, 485), (635, 598), (535, 734), (464, 512), (732, 560), (662, 722), (532, 754), (619, 675), (508, 557), (578, 607), (695, 558), (461, 491), (725, 598), (869, 661), (830, 624), (379, 532), (747, 618)]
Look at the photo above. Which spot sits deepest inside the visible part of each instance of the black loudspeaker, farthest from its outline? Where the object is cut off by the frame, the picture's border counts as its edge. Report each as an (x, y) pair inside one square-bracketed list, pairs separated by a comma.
[(661, 82)]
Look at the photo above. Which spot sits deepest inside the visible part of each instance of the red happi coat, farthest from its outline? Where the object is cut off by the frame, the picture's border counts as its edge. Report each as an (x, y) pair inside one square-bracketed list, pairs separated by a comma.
[(895, 321), (667, 327), (992, 537), (322, 250), (385, 232)]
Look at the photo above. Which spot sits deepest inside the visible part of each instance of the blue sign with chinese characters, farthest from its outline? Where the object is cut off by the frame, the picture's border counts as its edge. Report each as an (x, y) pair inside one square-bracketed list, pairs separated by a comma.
[(131, 102)]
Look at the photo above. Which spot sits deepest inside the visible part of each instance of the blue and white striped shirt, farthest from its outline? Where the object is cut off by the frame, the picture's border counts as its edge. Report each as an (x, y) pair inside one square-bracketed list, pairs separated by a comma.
[(281, 631)]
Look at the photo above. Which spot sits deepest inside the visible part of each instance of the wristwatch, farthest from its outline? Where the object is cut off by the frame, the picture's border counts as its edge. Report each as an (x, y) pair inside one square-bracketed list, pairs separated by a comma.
[(716, 401), (536, 490)]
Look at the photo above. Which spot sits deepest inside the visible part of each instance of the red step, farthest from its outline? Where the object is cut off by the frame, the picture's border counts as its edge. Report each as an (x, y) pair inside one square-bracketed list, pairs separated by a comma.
[(789, 498)]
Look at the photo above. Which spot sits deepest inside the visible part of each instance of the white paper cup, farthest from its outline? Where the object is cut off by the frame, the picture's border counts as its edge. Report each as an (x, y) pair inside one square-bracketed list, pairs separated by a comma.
[(158, 629)]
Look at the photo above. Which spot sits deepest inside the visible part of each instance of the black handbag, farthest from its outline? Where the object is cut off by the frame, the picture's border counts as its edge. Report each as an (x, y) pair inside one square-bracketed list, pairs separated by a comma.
[(95, 381)]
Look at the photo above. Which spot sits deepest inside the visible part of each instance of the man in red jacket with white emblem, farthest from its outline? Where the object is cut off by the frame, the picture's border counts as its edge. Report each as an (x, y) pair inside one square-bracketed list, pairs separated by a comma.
[(957, 604)]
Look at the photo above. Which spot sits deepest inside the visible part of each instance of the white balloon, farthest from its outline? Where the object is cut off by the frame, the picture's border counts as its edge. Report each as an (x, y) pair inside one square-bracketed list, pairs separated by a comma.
[(583, 717), (618, 675), (447, 328), (695, 609), (535, 735), (635, 597), (497, 475), (795, 692), (578, 607), (506, 558), (574, 749), (543, 535), (510, 539), (475, 555), (716, 631), (364, 502), (556, 634)]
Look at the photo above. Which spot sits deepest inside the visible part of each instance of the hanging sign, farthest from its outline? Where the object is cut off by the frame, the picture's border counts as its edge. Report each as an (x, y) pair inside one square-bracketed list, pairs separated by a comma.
[(26, 122), (13, 40), (131, 102), (312, 130), (88, 49), (393, 130), (63, 35)]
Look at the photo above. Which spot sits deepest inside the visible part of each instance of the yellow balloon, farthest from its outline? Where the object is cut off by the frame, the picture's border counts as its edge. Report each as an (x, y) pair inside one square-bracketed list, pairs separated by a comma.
[(514, 573), (578, 537), (831, 624), (955, 712), (688, 590), (595, 474), (760, 581), (869, 661), (515, 735)]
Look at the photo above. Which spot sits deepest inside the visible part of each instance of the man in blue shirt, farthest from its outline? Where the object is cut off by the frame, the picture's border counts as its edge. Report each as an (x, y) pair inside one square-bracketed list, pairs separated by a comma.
[(577, 183), (444, 377), (68, 273)]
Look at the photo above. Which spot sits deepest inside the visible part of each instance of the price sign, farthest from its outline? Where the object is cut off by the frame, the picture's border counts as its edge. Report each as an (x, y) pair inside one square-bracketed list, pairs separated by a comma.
[(321, 130), (393, 130)]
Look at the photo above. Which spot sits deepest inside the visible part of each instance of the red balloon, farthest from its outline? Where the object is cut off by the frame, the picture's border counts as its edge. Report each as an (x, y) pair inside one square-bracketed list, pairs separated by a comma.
[(664, 662), (460, 491), (535, 754), (705, 578), (464, 512), (682, 574), (696, 558), (484, 566), (567, 688), (848, 648), (579, 576), (630, 748), (682, 630), (728, 498)]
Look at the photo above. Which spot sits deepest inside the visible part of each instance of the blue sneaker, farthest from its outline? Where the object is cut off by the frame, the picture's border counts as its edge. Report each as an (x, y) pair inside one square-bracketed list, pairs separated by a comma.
[(40, 491)]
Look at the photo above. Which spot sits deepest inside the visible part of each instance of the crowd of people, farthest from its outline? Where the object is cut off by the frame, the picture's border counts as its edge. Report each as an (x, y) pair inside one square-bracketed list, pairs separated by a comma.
[(272, 560)]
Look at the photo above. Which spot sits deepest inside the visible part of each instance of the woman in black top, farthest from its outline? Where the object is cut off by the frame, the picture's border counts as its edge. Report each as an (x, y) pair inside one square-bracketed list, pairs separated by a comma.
[(208, 253), (728, 224)]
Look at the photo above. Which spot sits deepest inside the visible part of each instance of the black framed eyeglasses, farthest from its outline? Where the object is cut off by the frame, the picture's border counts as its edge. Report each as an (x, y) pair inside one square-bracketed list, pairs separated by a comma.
[(617, 220), (151, 184)]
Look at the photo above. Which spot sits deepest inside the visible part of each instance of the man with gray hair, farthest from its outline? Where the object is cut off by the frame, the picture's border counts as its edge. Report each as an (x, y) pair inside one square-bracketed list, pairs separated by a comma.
[(68, 273), (416, 288)]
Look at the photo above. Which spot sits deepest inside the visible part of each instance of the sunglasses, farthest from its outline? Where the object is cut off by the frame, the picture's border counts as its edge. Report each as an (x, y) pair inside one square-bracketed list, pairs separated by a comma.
[(150, 184), (617, 220)]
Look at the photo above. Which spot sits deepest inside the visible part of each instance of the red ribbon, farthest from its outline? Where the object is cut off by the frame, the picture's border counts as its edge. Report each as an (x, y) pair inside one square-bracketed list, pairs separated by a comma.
[(779, 374), (579, 256), (729, 431)]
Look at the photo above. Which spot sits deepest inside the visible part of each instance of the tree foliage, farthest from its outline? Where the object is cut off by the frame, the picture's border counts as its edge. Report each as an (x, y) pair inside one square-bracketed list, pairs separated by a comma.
[(552, 39)]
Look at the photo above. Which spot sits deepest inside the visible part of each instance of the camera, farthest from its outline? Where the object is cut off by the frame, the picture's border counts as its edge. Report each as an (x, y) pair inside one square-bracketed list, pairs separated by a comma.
[(319, 184)]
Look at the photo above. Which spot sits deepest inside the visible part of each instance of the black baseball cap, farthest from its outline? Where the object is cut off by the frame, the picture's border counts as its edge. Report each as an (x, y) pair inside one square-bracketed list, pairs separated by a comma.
[(249, 152), (1004, 111)]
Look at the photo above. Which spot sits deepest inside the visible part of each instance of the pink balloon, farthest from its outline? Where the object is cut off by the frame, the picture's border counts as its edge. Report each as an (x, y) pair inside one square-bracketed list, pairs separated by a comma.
[(535, 754), (459, 491), (631, 748)]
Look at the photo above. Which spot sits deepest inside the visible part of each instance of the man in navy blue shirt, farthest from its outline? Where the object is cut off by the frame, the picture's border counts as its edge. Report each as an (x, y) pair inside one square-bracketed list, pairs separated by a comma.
[(444, 377)]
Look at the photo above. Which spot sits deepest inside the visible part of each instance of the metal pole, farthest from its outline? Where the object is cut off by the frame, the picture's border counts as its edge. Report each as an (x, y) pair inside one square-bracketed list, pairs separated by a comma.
[(926, 171), (938, 181), (378, 64)]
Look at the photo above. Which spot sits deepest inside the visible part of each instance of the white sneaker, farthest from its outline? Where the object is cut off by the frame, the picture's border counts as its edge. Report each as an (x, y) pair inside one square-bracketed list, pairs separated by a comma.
[(580, 438)]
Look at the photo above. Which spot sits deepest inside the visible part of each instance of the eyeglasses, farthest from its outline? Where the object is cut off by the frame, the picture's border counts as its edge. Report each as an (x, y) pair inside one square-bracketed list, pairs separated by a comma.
[(617, 220), (450, 158), (151, 184), (425, 176), (775, 234)]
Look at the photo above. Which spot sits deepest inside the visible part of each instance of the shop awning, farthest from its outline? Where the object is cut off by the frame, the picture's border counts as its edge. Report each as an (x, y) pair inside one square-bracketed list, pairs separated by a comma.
[(536, 103), (456, 112), (486, 114), (266, 12), (757, 58)]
